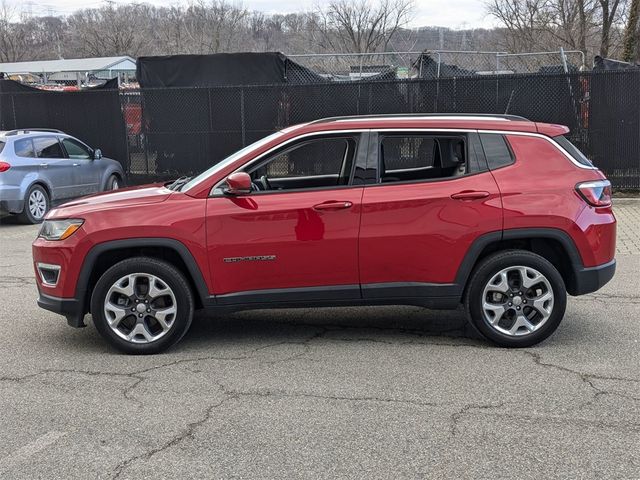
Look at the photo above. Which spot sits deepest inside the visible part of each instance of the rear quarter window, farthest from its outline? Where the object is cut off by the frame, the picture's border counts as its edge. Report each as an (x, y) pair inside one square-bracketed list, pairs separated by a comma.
[(496, 150), (1, 146), (573, 150), (24, 148)]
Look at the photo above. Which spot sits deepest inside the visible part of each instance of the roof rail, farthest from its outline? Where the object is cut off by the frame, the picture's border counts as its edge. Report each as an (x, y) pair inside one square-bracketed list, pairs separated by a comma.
[(516, 118), (29, 130)]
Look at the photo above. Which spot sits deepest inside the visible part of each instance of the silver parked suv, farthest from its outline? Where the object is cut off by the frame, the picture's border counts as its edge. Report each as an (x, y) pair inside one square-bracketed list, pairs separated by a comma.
[(41, 167)]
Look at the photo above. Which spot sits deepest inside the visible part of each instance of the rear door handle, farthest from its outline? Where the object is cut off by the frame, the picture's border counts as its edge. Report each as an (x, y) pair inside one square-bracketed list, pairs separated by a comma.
[(333, 205), (76, 164), (44, 165), (469, 195)]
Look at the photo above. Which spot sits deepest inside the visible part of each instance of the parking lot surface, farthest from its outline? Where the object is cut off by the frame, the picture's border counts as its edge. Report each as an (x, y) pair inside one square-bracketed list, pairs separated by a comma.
[(383, 392)]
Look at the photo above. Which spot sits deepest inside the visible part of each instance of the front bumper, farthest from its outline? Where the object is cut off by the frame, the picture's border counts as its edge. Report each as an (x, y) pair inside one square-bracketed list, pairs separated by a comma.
[(71, 308), (590, 279)]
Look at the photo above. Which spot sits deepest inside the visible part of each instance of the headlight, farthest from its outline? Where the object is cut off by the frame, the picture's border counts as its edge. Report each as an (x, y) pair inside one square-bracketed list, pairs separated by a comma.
[(59, 229)]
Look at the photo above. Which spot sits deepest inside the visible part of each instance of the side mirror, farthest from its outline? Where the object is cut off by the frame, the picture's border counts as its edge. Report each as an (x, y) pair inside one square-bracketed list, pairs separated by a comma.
[(238, 183), (97, 154)]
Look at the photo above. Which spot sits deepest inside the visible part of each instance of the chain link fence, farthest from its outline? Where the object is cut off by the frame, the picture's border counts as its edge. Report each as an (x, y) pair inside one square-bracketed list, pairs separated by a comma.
[(437, 64), (163, 133)]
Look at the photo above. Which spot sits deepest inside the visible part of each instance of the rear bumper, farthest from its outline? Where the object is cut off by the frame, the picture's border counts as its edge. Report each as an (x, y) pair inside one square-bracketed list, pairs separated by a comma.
[(71, 308), (590, 279), (11, 206)]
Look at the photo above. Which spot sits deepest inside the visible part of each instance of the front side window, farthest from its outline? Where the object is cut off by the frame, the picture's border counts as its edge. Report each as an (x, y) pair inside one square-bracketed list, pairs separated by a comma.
[(76, 150), (317, 163), (406, 158), (47, 147), (24, 148)]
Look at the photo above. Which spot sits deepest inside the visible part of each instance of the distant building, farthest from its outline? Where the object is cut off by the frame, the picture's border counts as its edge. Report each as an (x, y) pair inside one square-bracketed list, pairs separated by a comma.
[(80, 71)]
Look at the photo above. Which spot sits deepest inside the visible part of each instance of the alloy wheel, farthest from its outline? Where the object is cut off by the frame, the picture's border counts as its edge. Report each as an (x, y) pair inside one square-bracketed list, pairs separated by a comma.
[(37, 204), (517, 301), (140, 308)]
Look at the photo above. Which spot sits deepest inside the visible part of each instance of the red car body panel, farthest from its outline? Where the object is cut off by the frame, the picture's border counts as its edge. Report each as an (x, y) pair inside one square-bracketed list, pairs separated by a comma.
[(311, 247), (389, 233), (538, 191), (418, 233)]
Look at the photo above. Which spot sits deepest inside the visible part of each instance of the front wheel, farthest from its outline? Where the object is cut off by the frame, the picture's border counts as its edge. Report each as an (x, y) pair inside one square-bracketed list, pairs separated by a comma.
[(142, 305), (516, 298)]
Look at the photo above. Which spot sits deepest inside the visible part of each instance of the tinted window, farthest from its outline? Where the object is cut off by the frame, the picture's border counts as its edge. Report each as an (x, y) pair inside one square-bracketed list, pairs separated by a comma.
[(421, 157), (477, 162), (310, 164), (24, 148), (496, 150), (573, 150), (47, 147), (1, 146), (75, 149)]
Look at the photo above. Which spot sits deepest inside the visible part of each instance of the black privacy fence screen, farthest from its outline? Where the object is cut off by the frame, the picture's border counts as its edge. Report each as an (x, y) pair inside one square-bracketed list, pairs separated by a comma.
[(162, 133)]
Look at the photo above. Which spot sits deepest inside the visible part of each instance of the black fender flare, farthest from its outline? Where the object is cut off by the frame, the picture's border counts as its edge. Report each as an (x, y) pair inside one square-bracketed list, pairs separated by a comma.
[(175, 245), (471, 257)]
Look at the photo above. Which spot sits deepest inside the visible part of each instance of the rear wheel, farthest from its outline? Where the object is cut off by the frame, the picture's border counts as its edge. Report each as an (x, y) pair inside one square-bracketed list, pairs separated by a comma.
[(142, 305), (516, 298), (36, 205), (113, 183)]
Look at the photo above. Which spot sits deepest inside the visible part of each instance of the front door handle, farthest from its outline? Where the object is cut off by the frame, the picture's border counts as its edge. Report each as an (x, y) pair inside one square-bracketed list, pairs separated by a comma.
[(469, 195), (333, 205), (44, 165), (76, 164)]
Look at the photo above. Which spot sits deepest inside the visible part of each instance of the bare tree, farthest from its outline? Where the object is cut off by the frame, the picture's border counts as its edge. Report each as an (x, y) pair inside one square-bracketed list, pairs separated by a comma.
[(631, 49), (360, 26), (609, 10), (215, 26), (14, 42), (110, 30), (586, 25)]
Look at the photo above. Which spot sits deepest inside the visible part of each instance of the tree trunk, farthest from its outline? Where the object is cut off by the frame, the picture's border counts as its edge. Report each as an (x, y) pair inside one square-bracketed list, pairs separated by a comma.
[(631, 33)]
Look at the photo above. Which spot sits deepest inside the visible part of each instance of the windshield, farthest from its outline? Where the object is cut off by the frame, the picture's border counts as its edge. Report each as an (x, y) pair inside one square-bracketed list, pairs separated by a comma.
[(228, 161), (573, 150)]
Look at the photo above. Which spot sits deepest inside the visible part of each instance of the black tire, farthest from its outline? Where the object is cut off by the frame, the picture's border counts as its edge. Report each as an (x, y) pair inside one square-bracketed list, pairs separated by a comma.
[(27, 216), (489, 268), (168, 274), (114, 183)]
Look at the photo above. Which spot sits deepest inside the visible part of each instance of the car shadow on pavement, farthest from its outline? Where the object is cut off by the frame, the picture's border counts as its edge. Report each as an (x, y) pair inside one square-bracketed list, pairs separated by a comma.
[(389, 324)]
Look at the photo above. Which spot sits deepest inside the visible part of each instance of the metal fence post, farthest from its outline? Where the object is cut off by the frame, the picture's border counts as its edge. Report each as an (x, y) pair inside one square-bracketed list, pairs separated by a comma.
[(242, 119)]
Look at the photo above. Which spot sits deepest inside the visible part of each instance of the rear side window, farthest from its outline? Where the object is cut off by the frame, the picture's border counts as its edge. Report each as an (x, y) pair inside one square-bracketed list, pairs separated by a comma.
[(496, 150), (47, 147), (24, 148), (573, 150), (406, 158)]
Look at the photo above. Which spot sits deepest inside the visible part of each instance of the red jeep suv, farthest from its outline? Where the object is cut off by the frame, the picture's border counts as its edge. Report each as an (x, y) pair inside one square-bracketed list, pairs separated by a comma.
[(496, 212)]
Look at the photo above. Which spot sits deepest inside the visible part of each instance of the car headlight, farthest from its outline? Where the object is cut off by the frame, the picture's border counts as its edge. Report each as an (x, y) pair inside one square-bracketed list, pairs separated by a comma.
[(59, 229)]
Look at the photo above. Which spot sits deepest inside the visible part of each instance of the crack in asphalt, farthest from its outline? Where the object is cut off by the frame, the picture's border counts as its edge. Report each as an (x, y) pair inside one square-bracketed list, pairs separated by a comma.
[(9, 280), (188, 432), (455, 417), (586, 378)]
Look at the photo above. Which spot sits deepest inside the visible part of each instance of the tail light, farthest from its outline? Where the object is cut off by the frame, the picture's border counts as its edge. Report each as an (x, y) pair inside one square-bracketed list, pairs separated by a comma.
[(596, 193), (4, 166)]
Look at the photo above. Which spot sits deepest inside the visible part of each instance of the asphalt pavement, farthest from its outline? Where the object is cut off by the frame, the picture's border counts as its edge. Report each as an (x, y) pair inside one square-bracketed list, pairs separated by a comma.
[(384, 392)]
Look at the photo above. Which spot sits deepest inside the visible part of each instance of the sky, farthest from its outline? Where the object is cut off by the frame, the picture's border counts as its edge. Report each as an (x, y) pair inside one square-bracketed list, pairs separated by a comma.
[(443, 13)]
